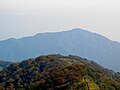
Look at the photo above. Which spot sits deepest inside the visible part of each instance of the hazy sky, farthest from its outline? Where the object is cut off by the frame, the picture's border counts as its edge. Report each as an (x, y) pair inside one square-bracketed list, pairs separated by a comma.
[(20, 18)]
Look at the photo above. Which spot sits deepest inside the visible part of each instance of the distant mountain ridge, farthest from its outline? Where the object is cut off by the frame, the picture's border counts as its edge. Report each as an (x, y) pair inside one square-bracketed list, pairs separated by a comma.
[(76, 42), (4, 64)]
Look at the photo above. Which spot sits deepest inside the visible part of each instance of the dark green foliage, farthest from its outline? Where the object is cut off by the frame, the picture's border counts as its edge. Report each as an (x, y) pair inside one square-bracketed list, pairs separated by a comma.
[(56, 72)]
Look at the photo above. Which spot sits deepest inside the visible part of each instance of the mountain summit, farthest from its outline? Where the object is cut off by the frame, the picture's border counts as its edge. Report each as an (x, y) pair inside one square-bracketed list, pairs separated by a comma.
[(76, 42)]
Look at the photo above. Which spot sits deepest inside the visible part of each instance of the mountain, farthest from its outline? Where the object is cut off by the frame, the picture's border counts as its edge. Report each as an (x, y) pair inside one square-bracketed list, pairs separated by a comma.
[(4, 64), (75, 42), (57, 72)]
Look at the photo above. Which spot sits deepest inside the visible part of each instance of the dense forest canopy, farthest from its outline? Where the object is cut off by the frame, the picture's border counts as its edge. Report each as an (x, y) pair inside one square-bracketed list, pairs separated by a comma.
[(56, 72)]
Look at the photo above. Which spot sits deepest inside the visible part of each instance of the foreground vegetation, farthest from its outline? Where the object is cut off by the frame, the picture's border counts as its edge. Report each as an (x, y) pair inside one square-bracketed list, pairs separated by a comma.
[(57, 72)]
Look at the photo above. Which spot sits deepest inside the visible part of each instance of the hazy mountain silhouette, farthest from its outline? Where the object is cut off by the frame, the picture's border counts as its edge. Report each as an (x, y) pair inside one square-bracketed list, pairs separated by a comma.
[(4, 64), (76, 42)]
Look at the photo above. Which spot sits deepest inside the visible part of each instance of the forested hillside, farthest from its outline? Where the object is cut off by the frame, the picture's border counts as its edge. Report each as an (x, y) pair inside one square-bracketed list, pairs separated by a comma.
[(57, 72)]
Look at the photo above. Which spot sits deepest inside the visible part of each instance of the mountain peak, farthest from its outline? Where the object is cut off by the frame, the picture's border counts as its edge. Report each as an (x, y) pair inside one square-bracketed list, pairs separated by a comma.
[(76, 42), (78, 30)]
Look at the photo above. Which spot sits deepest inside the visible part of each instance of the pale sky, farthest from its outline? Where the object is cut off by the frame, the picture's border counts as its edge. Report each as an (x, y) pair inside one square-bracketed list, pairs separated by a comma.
[(20, 18)]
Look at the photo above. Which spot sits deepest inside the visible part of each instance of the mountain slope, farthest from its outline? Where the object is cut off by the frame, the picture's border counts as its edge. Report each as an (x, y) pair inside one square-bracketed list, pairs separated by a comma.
[(56, 72), (75, 42), (4, 64)]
